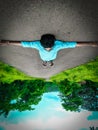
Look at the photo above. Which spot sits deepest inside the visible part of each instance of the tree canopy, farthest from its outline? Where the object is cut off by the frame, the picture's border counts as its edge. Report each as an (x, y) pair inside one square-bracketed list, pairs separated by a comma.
[(77, 96), (20, 95)]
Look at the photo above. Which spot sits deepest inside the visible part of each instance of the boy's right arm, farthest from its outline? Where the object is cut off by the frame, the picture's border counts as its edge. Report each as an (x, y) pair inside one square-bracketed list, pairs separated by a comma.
[(7, 43), (32, 44)]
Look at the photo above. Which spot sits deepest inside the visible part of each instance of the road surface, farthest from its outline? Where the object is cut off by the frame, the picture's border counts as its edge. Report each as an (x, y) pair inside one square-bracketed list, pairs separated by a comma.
[(28, 60), (71, 20), (68, 20)]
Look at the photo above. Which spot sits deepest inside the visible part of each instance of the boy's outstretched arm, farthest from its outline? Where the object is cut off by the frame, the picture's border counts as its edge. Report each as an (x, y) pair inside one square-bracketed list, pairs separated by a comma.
[(92, 44), (6, 43), (18, 43)]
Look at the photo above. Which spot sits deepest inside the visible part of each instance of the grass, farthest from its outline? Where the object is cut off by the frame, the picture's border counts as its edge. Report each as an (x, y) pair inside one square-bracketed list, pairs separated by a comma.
[(9, 74), (87, 71)]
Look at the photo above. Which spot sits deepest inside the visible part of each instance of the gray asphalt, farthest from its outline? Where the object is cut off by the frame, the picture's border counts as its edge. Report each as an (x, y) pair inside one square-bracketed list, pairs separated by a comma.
[(28, 60), (72, 20), (68, 20)]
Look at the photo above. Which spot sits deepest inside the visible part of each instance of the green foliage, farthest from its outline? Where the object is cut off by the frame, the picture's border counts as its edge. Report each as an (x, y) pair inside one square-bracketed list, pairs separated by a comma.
[(9, 74), (69, 91), (68, 87), (87, 71), (19, 91), (51, 87), (77, 95), (20, 95)]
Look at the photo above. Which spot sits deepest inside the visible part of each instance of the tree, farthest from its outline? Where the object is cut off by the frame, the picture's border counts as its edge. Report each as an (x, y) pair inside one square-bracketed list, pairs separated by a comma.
[(75, 96), (20, 95)]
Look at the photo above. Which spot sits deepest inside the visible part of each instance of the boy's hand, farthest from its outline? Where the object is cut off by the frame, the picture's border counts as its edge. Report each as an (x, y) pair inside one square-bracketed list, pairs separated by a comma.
[(4, 42), (87, 44), (95, 45)]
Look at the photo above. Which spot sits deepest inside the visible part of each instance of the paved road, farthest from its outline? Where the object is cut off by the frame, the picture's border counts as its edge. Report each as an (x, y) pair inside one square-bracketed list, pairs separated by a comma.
[(69, 20), (72, 20), (28, 60)]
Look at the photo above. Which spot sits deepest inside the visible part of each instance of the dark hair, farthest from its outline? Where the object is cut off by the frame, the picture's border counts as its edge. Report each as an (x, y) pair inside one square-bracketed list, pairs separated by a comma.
[(47, 40)]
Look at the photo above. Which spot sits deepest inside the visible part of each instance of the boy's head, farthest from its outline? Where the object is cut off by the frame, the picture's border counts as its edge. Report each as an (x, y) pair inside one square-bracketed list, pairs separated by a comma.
[(47, 40)]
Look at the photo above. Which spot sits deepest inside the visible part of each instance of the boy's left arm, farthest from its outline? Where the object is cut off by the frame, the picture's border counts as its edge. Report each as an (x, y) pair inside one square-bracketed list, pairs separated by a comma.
[(81, 44)]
